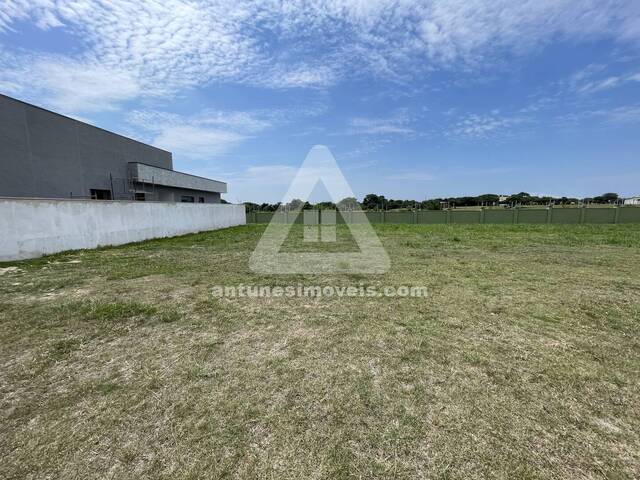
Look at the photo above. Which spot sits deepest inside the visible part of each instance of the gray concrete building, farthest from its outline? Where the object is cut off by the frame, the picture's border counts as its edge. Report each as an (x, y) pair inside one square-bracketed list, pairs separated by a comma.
[(47, 155)]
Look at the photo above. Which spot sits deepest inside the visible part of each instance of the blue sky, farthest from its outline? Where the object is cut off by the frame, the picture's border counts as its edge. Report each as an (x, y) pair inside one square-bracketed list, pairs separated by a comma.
[(414, 99)]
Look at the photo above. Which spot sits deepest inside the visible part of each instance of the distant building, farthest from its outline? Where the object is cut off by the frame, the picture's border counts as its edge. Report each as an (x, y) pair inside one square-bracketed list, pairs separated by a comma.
[(632, 201), (47, 155)]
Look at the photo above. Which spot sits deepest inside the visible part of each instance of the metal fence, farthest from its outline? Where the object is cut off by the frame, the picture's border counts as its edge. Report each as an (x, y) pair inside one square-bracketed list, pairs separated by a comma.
[(584, 215)]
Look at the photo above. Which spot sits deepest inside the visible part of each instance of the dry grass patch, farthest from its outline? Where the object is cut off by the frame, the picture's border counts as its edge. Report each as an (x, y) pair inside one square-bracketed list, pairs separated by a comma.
[(522, 361)]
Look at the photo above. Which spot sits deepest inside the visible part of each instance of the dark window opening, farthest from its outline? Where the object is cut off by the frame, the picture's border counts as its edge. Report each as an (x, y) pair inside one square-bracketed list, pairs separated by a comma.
[(140, 196), (187, 199), (200, 199), (97, 194)]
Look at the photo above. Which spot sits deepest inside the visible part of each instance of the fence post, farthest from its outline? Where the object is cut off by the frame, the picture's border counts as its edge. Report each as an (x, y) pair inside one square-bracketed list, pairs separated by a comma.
[(616, 216), (582, 214), (549, 214), (482, 215), (448, 216), (382, 219), (516, 214), (415, 216)]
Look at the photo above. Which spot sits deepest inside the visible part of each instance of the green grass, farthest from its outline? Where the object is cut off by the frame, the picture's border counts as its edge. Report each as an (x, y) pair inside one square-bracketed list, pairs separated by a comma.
[(522, 361)]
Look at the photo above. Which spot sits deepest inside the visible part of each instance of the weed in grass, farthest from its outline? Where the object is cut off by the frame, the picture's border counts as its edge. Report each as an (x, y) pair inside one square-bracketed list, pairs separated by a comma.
[(63, 348)]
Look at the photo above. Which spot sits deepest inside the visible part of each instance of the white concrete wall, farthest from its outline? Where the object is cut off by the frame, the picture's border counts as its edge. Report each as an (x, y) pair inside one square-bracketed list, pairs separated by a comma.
[(31, 228)]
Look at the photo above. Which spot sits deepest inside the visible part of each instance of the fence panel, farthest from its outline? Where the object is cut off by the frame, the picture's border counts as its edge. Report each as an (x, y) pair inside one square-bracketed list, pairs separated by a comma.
[(398, 217), (295, 217), (375, 217), (432, 216), (560, 216), (263, 217), (357, 217), (533, 215), (342, 218), (629, 215), (465, 216), (278, 217), (499, 216), (311, 217), (565, 215), (599, 215)]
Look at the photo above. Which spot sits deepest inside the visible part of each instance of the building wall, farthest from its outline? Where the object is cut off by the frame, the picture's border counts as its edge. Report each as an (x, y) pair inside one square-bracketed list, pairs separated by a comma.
[(34, 227), (43, 154), (171, 194), (170, 178)]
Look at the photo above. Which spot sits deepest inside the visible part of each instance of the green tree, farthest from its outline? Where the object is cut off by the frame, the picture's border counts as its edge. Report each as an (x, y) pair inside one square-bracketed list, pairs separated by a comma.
[(606, 198), (295, 204), (371, 201), (349, 203)]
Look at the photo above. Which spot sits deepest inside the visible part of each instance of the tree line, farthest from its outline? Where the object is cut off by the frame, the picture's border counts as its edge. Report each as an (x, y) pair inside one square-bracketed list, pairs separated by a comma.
[(380, 202)]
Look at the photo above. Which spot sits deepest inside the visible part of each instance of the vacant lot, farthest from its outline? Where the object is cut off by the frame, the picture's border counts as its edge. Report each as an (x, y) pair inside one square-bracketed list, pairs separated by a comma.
[(522, 362)]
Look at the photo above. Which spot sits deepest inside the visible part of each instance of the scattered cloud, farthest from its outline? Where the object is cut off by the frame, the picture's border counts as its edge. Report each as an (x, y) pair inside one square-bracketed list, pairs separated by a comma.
[(149, 48), (626, 114), (67, 85), (196, 142), (398, 124), (475, 126), (210, 132), (608, 83), (298, 76), (202, 136), (596, 78)]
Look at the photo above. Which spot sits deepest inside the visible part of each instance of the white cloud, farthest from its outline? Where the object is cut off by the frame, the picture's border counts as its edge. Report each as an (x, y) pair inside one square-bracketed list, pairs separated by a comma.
[(202, 136), (151, 48), (196, 142), (485, 126), (244, 122), (86, 87), (67, 85), (626, 114), (210, 133), (472, 30), (398, 124), (608, 83), (307, 75)]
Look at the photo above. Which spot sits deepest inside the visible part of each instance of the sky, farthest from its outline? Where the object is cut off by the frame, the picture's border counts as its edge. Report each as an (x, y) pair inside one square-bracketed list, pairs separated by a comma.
[(415, 99)]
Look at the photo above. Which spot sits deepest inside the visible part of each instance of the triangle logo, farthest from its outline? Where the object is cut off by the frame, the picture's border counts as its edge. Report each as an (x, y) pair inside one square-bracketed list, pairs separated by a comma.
[(319, 167)]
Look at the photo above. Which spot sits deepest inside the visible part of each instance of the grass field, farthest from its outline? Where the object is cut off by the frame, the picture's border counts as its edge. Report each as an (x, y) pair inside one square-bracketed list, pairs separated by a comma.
[(523, 361)]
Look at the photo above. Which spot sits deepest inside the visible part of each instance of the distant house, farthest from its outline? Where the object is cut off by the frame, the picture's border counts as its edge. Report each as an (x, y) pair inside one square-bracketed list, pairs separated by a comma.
[(47, 155), (632, 201)]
